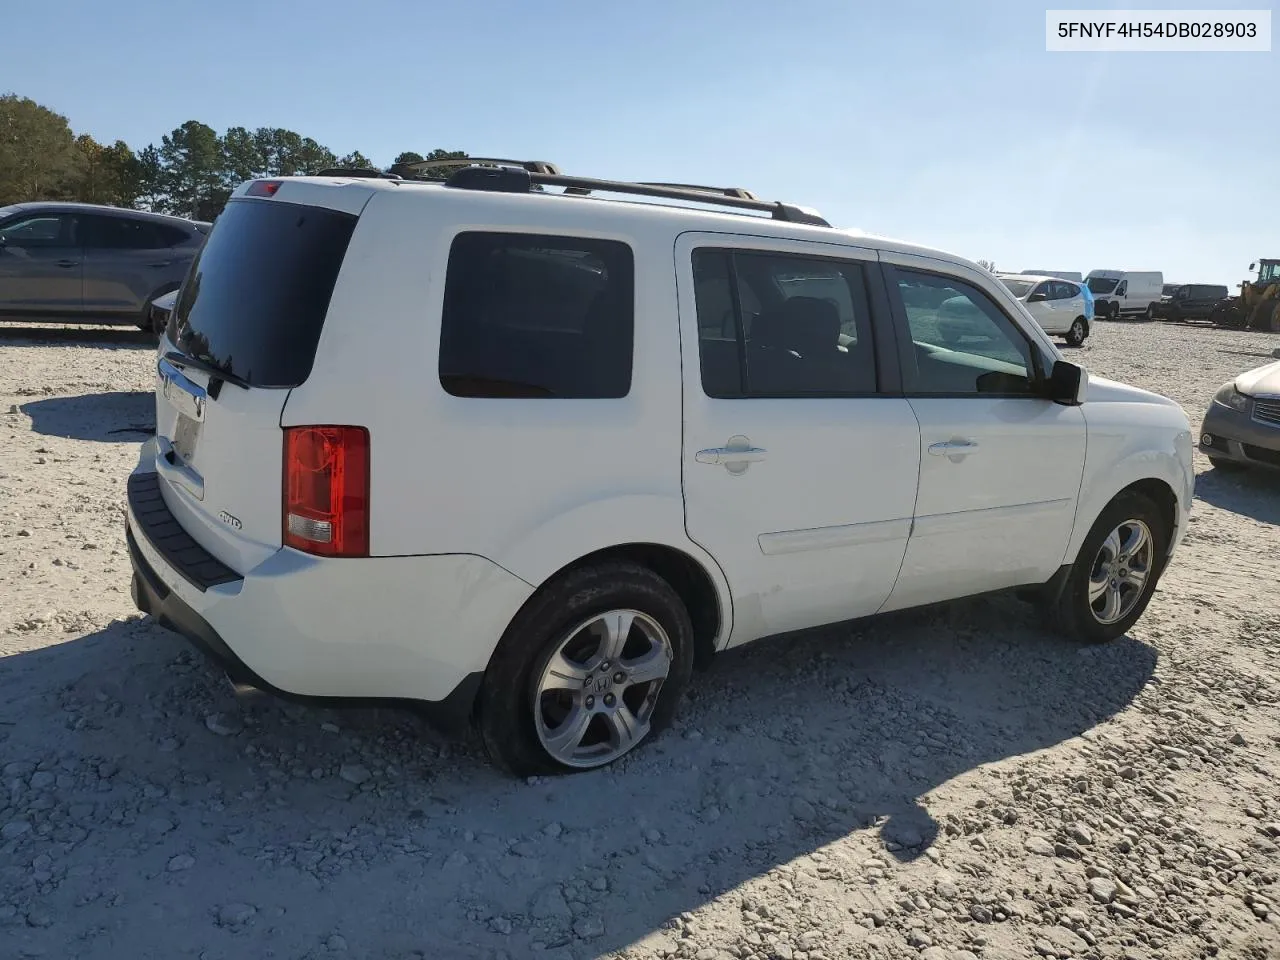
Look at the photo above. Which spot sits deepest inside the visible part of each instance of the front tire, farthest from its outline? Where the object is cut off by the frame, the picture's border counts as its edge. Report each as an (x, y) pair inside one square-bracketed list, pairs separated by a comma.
[(594, 665), (1115, 572), (1113, 310), (1079, 330)]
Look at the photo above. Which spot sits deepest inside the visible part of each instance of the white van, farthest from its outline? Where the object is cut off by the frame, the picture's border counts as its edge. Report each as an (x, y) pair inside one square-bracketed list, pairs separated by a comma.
[(1129, 293)]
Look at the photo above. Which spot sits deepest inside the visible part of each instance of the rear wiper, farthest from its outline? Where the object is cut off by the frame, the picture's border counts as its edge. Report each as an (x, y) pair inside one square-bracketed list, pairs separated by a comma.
[(180, 359)]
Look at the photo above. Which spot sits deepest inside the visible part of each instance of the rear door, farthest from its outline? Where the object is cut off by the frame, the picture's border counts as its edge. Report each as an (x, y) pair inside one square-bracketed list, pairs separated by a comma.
[(799, 464), (127, 259), (243, 333), (41, 264)]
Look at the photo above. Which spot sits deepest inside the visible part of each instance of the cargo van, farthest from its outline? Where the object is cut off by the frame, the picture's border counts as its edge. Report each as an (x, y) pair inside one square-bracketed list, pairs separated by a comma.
[(1125, 293)]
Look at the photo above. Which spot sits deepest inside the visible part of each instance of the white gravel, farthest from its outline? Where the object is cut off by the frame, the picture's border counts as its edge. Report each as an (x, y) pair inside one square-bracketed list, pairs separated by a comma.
[(945, 785)]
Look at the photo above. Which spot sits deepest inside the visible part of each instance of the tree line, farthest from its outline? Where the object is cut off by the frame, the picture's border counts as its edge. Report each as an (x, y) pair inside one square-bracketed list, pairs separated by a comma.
[(191, 172)]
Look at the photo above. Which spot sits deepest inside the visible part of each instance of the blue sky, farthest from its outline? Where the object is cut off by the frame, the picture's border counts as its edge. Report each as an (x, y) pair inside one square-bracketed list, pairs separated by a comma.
[(944, 123)]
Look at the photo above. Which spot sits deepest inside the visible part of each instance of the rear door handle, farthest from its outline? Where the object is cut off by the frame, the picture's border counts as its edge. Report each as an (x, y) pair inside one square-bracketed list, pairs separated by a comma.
[(160, 263), (954, 450), (68, 263)]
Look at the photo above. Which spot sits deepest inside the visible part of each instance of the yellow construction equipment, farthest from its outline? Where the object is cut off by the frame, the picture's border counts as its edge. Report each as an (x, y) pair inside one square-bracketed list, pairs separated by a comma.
[(1258, 305)]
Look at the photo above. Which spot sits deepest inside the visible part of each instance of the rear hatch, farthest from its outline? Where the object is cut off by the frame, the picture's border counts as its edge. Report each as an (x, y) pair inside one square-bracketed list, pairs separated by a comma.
[(243, 333)]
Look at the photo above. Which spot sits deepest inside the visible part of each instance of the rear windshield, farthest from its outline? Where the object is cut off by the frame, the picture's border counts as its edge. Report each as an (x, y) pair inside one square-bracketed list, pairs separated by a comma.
[(255, 298)]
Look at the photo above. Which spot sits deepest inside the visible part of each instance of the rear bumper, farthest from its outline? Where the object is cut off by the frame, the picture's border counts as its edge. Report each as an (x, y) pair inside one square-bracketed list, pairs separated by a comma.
[(1232, 435), (380, 628)]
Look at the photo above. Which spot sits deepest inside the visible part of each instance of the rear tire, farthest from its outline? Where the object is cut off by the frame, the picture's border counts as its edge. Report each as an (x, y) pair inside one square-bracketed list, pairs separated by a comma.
[(1079, 330), (552, 701), (1101, 599)]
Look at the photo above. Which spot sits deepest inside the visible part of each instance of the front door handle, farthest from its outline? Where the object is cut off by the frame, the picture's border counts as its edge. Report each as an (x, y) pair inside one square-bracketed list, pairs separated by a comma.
[(954, 450), (735, 456), (68, 263), (726, 455), (160, 263)]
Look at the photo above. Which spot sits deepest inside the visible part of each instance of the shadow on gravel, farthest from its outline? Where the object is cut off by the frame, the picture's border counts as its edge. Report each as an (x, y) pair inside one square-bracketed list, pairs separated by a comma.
[(120, 417), (1251, 492), (70, 334), (363, 822)]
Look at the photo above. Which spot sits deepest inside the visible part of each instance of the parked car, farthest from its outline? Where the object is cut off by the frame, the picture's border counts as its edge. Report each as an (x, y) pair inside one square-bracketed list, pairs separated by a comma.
[(88, 263), (1057, 305), (1190, 301), (1073, 275), (525, 456), (1124, 293), (1241, 428)]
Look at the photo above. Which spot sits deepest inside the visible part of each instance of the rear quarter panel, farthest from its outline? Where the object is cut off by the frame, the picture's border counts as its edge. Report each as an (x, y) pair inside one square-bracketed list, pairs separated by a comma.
[(530, 484)]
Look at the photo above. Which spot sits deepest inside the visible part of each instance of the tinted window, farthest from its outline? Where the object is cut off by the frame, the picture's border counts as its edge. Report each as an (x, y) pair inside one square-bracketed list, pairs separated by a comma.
[(256, 296), (1063, 290), (172, 236), (1205, 291), (962, 343), (122, 233), (1019, 288), (775, 325), (41, 230), (1101, 285), (537, 316)]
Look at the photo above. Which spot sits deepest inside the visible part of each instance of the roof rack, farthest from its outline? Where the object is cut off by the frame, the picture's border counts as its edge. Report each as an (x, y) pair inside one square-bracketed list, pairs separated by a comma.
[(532, 166), (516, 177), (356, 172)]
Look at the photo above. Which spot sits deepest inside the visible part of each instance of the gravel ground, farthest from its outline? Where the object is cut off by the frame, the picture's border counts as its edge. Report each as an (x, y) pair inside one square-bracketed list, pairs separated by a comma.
[(949, 785)]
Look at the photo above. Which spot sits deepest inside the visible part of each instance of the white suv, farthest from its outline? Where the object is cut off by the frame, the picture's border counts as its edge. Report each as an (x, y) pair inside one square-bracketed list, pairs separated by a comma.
[(1057, 305), (527, 454)]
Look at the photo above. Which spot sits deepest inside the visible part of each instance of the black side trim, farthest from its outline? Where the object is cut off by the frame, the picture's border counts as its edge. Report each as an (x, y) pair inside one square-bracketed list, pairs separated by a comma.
[(197, 565), (452, 715)]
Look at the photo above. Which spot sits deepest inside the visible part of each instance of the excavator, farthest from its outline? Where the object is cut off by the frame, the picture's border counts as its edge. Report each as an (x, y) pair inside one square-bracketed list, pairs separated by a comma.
[(1258, 305)]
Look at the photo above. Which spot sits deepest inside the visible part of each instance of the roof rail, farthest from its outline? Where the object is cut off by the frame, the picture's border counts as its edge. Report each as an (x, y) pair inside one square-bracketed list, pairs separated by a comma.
[(510, 179), (356, 172), (532, 166), (726, 191)]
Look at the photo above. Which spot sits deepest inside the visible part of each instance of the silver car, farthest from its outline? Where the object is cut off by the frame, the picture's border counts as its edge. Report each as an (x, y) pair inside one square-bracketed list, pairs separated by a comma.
[(1241, 428), (88, 263)]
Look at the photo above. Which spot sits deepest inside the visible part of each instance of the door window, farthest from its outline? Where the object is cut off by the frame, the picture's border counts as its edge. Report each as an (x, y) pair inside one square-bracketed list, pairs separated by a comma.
[(122, 233), (40, 230), (1063, 290), (782, 325), (1122, 288), (537, 316), (961, 342)]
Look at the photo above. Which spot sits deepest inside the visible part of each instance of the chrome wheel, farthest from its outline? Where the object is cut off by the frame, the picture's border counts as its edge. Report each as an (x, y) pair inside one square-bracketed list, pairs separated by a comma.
[(595, 697), (1076, 335), (1121, 571)]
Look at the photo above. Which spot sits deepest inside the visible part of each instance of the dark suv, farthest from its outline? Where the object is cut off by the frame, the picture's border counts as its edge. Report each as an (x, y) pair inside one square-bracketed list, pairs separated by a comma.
[(1189, 301), (87, 263)]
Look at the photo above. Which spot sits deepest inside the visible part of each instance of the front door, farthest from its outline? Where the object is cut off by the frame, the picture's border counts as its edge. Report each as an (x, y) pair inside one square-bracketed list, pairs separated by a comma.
[(40, 265), (1000, 468), (799, 471)]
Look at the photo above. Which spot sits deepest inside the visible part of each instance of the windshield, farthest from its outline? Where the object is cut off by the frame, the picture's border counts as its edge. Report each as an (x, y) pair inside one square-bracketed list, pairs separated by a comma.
[(1269, 272), (256, 296), (1019, 288), (1101, 284)]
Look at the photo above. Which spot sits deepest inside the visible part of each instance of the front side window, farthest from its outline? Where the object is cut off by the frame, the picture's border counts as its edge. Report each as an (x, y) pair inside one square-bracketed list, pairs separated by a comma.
[(40, 230), (1123, 288), (535, 316), (962, 343), (782, 325)]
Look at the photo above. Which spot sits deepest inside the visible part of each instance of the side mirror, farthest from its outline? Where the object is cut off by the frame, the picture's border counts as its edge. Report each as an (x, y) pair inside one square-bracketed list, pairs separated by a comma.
[(1067, 384), (1253, 267), (1036, 298)]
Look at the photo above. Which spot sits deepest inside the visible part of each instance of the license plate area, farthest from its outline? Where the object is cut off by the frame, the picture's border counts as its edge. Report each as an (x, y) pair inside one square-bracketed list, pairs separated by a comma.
[(185, 436)]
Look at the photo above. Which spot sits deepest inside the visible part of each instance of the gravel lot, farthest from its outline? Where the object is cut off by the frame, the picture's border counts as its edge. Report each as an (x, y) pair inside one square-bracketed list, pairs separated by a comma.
[(947, 785)]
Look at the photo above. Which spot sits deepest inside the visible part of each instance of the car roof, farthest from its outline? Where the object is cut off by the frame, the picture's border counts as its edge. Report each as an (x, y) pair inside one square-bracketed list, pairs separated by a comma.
[(604, 206), (67, 206), (1032, 277)]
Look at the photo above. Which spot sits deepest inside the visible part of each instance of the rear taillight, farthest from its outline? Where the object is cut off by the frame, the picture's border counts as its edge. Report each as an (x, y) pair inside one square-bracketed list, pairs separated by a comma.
[(326, 490), (263, 188)]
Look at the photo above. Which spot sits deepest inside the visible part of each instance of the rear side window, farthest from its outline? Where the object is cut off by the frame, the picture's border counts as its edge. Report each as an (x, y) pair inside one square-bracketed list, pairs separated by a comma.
[(529, 315), (122, 233), (256, 295)]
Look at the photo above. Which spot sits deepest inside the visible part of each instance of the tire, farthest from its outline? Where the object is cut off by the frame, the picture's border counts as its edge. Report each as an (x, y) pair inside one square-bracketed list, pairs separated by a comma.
[(1072, 613), (1151, 311), (1113, 310), (561, 621), (1079, 330)]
